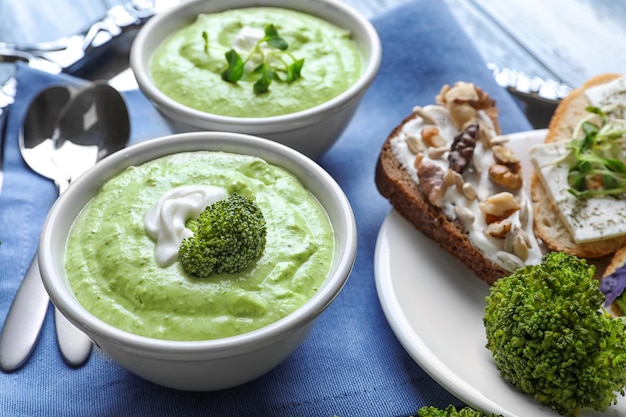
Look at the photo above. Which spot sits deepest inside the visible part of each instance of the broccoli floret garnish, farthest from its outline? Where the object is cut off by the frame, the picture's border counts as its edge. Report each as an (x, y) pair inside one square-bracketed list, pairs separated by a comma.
[(228, 236), (550, 337), (450, 411)]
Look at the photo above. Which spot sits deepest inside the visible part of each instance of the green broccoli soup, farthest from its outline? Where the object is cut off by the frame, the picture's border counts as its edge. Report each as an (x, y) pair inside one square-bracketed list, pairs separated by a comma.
[(122, 256), (256, 62)]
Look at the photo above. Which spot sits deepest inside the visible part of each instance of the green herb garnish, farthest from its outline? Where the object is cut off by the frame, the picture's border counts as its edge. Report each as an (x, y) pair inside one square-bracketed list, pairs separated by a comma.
[(291, 68), (235, 69), (597, 159), (265, 79), (205, 36)]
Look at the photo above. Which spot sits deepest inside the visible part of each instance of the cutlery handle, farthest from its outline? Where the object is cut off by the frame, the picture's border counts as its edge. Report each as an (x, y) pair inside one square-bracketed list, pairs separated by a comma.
[(23, 325), (74, 345), (24, 320)]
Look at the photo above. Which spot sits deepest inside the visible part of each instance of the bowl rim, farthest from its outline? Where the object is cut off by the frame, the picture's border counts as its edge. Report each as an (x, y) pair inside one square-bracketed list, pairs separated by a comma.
[(61, 295), (140, 67)]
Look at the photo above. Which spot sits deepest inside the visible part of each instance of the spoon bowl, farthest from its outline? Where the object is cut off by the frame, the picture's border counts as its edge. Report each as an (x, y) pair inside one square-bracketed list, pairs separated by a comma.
[(65, 132), (92, 125), (35, 138)]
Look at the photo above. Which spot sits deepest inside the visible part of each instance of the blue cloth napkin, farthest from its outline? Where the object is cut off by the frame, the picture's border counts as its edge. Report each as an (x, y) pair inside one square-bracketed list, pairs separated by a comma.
[(352, 363)]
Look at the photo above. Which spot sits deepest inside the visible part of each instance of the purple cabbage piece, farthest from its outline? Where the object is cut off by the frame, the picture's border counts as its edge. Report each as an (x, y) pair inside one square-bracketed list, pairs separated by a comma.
[(613, 285)]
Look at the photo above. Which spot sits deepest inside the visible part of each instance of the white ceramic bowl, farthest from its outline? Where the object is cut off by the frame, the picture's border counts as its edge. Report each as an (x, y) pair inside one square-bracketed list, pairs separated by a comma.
[(311, 131), (211, 364)]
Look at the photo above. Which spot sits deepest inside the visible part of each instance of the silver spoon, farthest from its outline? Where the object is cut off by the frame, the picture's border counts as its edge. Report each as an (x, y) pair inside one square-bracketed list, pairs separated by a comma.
[(65, 132)]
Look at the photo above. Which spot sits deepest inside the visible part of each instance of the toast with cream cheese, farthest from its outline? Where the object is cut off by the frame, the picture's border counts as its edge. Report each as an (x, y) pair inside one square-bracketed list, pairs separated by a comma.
[(448, 170)]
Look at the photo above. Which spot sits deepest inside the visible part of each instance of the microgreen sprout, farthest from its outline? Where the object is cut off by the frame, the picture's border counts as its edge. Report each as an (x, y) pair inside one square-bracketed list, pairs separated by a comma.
[(235, 69), (205, 37), (291, 68), (597, 166)]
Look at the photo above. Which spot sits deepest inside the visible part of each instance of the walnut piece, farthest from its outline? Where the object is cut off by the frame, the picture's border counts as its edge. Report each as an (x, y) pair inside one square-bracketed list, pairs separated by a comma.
[(506, 171), (498, 140), (460, 92), (505, 177), (504, 155), (463, 100), (431, 180), (499, 206), (462, 149), (461, 114), (499, 229)]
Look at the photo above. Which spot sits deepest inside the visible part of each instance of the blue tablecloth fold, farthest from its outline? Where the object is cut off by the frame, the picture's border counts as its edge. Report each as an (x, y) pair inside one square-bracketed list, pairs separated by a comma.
[(352, 364)]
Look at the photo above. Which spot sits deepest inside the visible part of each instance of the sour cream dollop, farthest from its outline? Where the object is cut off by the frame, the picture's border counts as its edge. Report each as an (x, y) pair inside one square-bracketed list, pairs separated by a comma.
[(165, 220)]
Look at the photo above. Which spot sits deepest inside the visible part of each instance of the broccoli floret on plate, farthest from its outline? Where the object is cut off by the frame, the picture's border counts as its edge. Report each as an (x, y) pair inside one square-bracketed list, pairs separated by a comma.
[(227, 236), (450, 411), (550, 337)]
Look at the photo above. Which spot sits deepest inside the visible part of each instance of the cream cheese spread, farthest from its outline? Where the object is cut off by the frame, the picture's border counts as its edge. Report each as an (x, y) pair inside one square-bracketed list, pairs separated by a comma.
[(498, 219), (589, 219), (165, 220)]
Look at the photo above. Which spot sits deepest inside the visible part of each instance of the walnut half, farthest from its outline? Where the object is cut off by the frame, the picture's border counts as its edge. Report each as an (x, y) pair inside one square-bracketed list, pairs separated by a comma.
[(462, 148), (463, 100), (506, 171), (505, 177)]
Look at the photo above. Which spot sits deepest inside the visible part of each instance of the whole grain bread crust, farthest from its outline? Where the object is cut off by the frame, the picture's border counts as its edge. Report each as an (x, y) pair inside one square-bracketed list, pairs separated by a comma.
[(395, 184), (548, 225)]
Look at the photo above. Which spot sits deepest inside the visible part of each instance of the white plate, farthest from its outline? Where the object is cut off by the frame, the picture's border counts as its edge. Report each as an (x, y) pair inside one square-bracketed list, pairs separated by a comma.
[(435, 307)]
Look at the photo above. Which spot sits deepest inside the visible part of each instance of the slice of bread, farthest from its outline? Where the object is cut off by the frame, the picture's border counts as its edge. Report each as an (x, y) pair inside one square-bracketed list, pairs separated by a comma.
[(571, 110), (405, 196), (618, 259), (408, 192), (548, 225)]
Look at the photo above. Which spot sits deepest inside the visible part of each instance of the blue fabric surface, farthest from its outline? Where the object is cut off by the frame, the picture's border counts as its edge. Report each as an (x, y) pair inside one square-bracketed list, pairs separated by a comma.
[(352, 364)]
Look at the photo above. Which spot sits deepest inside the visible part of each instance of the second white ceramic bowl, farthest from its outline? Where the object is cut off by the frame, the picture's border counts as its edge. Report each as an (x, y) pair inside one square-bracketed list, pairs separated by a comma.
[(312, 131)]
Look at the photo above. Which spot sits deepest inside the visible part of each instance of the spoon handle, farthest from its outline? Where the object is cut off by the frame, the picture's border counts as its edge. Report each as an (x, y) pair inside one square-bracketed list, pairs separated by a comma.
[(24, 320), (74, 345), (62, 184)]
